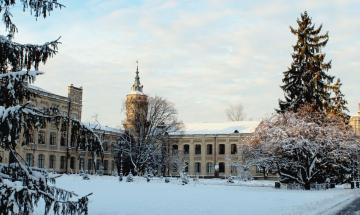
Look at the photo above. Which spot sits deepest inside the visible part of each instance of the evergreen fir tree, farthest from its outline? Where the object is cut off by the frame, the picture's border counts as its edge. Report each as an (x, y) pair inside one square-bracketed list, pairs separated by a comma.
[(21, 187), (338, 103), (306, 80)]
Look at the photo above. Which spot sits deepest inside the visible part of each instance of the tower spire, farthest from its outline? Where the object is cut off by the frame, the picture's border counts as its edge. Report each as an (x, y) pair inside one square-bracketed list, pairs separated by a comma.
[(137, 87)]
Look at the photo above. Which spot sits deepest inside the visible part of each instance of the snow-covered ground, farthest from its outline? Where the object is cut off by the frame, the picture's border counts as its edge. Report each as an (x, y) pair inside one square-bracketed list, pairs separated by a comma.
[(207, 196)]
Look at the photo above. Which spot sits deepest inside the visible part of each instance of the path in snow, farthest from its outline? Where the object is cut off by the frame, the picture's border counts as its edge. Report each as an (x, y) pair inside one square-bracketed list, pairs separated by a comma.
[(351, 209)]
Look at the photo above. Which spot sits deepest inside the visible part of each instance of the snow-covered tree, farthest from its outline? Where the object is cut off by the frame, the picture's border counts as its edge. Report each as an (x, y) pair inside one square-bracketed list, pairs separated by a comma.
[(21, 187), (306, 81), (179, 163), (337, 102), (307, 147), (146, 148)]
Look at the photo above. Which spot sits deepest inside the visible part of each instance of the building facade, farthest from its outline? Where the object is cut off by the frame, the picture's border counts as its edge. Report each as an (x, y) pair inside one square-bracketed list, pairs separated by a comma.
[(205, 149), (207, 155), (51, 146), (355, 122)]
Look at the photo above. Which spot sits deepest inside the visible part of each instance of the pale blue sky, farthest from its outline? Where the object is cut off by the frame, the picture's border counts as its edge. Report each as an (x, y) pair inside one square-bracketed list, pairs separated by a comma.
[(201, 55)]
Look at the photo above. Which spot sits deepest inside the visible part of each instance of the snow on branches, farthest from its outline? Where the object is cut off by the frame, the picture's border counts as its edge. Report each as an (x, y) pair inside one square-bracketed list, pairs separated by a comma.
[(143, 145), (21, 187), (37, 8), (306, 147), (15, 56)]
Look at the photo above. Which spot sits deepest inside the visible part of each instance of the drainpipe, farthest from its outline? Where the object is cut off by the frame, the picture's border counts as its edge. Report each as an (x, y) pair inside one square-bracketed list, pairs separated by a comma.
[(67, 137), (216, 170)]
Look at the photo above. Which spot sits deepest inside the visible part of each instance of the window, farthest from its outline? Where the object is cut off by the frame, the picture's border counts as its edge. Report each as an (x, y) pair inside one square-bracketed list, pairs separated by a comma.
[(186, 149), (81, 163), (175, 149), (233, 170), (63, 138), (112, 165), (106, 163), (233, 149), (209, 149), (221, 167), (41, 161), (90, 161), (62, 162), (72, 163), (197, 149), (41, 137), (73, 141), (31, 137), (186, 169), (53, 138), (197, 167), (105, 146), (209, 168), (98, 164), (29, 159), (174, 167), (221, 149), (52, 160)]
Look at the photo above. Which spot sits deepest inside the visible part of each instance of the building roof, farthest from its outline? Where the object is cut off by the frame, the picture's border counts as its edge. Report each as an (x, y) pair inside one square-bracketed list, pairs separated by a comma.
[(98, 127), (137, 87), (41, 91), (220, 127)]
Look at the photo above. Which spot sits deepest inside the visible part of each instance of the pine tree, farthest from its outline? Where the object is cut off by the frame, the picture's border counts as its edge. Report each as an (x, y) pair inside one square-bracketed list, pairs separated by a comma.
[(21, 187), (306, 80), (338, 103)]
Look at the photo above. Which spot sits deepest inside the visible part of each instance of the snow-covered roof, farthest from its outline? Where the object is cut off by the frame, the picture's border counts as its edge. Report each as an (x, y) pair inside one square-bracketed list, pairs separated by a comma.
[(33, 87), (105, 128), (220, 127)]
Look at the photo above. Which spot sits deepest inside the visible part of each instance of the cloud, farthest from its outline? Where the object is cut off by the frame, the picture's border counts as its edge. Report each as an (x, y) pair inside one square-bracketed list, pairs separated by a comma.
[(201, 55)]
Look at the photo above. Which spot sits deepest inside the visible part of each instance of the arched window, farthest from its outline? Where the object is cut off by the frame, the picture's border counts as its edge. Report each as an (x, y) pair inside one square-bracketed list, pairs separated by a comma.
[(186, 149), (53, 137), (105, 146), (209, 149), (221, 167), (29, 159), (72, 163), (198, 149), (62, 162), (209, 167), (175, 149), (197, 167), (41, 137), (186, 169), (233, 149), (81, 163), (106, 163), (221, 149), (41, 161), (63, 138), (90, 164), (52, 160)]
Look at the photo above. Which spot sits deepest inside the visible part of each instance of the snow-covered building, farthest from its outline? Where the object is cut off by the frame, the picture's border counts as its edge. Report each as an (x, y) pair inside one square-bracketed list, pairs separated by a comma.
[(207, 149), (211, 149), (51, 146), (355, 122)]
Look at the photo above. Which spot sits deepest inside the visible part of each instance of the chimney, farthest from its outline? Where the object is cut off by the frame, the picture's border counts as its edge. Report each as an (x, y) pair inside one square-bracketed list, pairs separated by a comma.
[(75, 94)]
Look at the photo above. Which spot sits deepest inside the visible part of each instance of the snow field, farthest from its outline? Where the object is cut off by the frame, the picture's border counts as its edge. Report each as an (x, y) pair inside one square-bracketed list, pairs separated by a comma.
[(204, 197)]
